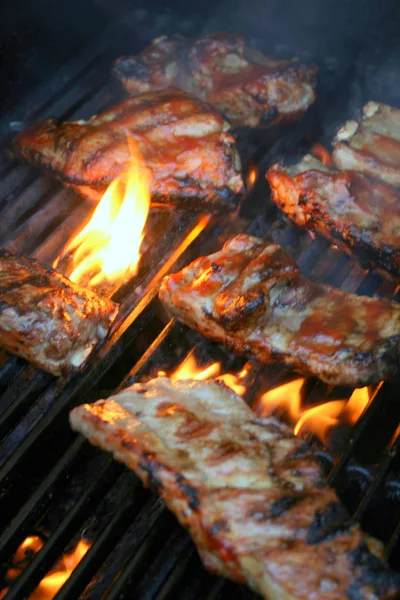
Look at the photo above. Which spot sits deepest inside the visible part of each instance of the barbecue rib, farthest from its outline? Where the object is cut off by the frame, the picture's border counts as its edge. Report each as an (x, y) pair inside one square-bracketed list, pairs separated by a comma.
[(358, 213), (249, 88), (249, 492), (251, 297), (373, 145), (184, 143), (46, 318)]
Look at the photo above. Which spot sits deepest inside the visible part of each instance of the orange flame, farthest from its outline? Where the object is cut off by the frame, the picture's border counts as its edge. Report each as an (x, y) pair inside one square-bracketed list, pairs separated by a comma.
[(233, 381), (189, 369), (50, 584), (286, 397), (108, 247), (317, 420), (356, 405), (323, 154)]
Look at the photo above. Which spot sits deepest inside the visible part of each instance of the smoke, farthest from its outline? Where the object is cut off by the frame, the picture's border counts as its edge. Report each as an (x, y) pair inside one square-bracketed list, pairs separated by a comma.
[(356, 43)]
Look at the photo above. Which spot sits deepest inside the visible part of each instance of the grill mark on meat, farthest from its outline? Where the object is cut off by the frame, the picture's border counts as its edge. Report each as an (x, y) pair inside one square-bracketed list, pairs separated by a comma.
[(342, 338), (191, 425), (329, 522), (239, 309), (185, 144), (246, 524), (373, 573), (243, 84), (371, 146), (46, 319), (151, 468), (218, 526), (360, 214), (281, 506), (189, 492)]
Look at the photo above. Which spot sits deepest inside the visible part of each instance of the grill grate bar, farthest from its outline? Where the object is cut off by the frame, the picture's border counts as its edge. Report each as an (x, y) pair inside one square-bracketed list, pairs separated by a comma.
[(100, 549), (16, 200), (19, 396), (13, 533), (374, 406), (56, 242), (215, 590), (79, 386), (394, 539), (35, 571), (377, 480), (166, 251), (177, 545), (156, 517), (179, 572), (47, 221)]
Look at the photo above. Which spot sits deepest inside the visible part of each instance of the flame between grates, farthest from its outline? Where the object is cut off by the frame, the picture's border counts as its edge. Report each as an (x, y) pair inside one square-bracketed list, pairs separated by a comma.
[(77, 524)]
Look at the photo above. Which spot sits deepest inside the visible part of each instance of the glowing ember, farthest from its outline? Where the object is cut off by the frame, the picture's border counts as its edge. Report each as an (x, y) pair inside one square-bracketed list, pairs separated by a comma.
[(251, 178), (50, 584), (323, 154), (108, 248), (317, 420)]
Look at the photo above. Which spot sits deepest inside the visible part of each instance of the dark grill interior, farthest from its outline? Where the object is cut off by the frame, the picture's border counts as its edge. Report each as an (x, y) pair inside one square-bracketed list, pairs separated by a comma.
[(54, 484)]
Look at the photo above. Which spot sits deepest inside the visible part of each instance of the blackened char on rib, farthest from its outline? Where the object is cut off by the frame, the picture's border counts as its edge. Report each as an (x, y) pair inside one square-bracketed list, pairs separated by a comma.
[(47, 319), (248, 87), (342, 338), (185, 145), (358, 213), (255, 505)]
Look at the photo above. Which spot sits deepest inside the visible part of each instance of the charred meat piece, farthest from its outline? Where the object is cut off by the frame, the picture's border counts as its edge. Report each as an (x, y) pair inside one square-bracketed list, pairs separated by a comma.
[(358, 213), (185, 144), (47, 319), (371, 146), (250, 493), (250, 296), (248, 87)]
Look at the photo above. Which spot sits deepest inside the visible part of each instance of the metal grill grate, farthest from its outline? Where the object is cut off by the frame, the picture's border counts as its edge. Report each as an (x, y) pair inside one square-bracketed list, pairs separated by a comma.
[(53, 483)]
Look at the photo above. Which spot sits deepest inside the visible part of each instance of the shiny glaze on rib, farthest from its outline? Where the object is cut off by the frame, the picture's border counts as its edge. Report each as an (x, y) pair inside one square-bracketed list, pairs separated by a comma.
[(342, 338), (358, 212), (249, 88), (250, 493), (184, 143), (374, 147), (47, 319)]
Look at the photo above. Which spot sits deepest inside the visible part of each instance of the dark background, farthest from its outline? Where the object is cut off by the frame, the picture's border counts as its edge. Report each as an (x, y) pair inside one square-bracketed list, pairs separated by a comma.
[(38, 36)]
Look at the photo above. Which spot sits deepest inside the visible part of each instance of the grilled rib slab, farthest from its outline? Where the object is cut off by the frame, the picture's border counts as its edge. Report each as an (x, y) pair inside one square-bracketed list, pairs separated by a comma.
[(47, 319), (249, 88), (251, 297), (249, 492), (184, 143), (359, 213), (371, 146)]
